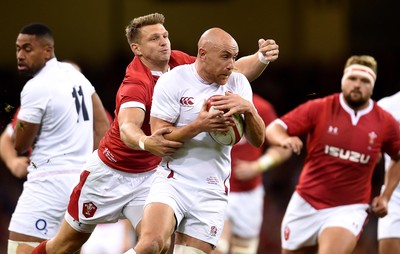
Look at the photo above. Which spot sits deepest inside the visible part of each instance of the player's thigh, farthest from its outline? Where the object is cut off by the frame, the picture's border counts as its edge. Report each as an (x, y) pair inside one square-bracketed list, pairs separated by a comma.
[(41, 206), (227, 231), (336, 240), (245, 211), (244, 245), (389, 245), (191, 242), (224, 241), (388, 226), (301, 224)]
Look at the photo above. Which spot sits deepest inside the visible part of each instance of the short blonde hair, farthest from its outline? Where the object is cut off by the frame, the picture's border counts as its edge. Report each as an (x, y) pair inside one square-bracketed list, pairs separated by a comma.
[(132, 30), (365, 60)]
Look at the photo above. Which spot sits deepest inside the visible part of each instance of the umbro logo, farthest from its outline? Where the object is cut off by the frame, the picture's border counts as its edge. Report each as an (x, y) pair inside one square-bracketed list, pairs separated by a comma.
[(186, 101)]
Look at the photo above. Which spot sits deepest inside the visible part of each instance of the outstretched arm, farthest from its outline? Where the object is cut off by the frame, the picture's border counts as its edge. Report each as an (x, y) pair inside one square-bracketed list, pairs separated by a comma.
[(273, 157), (277, 135), (252, 66)]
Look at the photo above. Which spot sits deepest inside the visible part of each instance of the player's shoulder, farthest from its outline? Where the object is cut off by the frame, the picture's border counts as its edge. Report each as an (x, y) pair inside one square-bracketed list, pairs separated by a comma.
[(390, 101), (179, 54), (183, 69), (384, 116), (238, 79), (178, 58)]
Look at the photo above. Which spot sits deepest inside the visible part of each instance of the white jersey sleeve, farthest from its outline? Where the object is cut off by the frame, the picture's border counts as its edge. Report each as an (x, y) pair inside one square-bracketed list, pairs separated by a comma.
[(391, 105)]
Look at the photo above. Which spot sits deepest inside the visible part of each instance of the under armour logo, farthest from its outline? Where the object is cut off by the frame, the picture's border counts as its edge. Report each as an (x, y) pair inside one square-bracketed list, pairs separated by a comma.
[(186, 101), (333, 130)]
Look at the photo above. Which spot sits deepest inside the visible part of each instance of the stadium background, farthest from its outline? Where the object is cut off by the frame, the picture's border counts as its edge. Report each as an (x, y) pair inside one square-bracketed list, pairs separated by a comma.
[(315, 39)]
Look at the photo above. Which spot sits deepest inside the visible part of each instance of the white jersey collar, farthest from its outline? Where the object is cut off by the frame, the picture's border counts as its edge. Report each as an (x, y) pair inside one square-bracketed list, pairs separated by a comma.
[(355, 117)]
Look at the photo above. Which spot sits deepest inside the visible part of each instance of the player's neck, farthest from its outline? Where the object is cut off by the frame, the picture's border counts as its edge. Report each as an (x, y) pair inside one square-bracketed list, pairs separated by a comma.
[(161, 66)]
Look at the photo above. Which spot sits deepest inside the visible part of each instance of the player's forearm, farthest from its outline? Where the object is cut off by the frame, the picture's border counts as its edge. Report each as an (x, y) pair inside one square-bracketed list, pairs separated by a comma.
[(392, 178), (184, 133), (275, 134), (7, 151), (254, 128), (130, 134), (251, 66), (273, 157)]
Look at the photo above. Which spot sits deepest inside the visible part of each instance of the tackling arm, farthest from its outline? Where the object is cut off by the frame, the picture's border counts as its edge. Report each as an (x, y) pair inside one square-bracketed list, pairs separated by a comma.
[(130, 124), (205, 121)]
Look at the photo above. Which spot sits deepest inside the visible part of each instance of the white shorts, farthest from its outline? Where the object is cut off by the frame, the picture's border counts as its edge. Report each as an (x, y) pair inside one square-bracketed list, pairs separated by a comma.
[(200, 212), (302, 223), (42, 204), (104, 195), (389, 226), (245, 211)]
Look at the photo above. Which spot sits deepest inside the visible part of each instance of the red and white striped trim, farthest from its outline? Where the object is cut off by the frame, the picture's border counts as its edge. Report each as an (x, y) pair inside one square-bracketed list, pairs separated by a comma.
[(361, 70)]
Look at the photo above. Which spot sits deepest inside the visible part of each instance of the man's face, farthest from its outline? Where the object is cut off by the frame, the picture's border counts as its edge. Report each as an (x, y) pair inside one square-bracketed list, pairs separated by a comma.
[(357, 90), (32, 54), (220, 62), (154, 45)]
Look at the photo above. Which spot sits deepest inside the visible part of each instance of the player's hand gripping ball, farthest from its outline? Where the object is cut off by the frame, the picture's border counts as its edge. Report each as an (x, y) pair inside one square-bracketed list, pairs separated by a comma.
[(235, 132)]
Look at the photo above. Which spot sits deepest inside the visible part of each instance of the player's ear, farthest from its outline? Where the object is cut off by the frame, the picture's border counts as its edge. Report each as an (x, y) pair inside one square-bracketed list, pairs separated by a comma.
[(136, 49), (202, 53)]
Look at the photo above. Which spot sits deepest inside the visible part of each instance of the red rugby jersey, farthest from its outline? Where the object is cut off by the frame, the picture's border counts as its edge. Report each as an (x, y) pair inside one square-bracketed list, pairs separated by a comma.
[(342, 149), (137, 86)]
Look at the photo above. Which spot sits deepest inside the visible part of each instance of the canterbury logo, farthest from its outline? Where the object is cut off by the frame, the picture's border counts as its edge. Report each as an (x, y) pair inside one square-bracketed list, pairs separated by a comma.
[(186, 101)]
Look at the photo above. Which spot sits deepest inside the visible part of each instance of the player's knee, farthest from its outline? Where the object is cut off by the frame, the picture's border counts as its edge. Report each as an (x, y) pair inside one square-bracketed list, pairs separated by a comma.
[(153, 245), (242, 246), (15, 247), (222, 247), (181, 249)]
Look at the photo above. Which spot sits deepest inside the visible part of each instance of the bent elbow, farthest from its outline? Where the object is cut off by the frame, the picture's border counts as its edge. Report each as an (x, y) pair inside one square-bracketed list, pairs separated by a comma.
[(256, 141), (259, 143)]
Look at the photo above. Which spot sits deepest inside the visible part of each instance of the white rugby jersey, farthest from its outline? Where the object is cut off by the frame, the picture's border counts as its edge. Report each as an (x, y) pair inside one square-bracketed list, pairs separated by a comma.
[(59, 98), (178, 98), (392, 105)]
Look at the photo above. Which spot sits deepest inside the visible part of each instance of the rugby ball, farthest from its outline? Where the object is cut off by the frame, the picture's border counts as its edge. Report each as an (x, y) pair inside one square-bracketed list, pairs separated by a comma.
[(233, 135)]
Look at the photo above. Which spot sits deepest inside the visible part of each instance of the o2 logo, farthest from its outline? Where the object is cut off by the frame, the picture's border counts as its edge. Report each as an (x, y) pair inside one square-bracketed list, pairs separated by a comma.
[(41, 225)]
